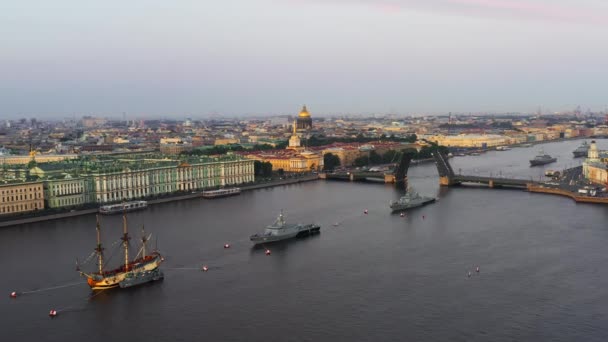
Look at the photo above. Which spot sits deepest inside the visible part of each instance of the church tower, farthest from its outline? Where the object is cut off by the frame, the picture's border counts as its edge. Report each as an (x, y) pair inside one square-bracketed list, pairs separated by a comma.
[(593, 153), (294, 141), (304, 120)]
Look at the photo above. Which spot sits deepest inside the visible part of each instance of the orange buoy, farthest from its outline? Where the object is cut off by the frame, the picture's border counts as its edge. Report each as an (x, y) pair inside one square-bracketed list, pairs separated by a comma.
[(52, 313), (226, 245), (267, 252), (205, 268), (13, 294)]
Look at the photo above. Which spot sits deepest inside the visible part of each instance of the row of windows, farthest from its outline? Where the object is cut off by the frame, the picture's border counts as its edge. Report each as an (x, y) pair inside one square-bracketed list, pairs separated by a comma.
[(67, 191), (22, 197), (69, 201), (66, 186), (21, 190), (19, 208)]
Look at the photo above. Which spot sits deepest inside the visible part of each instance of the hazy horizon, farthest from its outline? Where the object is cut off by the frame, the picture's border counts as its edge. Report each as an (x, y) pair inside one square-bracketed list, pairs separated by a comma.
[(268, 57)]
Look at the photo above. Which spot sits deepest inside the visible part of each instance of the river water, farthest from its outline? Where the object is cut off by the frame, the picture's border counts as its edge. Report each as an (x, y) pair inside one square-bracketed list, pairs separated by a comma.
[(374, 277)]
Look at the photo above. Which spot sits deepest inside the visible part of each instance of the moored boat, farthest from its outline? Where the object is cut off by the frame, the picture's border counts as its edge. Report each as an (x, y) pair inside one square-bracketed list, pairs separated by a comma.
[(143, 268), (552, 173), (122, 207), (221, 193), (582, 150)]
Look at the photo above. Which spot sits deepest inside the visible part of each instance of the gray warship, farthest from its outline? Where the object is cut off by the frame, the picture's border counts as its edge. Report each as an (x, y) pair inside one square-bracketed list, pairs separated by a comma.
[(410, 200), (582, 150), (542, 158), (281, 230), (138, 278)]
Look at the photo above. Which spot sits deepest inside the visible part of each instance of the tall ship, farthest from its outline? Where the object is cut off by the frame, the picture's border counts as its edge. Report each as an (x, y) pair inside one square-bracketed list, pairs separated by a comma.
[(410, 200), (110, 209), (542, 158), (582, 150), (281, 230), (221, 193), (143, 268)]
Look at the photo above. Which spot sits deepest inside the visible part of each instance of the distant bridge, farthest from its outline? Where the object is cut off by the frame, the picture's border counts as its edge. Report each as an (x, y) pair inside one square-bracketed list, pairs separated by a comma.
[(398, 174), (447, 177)]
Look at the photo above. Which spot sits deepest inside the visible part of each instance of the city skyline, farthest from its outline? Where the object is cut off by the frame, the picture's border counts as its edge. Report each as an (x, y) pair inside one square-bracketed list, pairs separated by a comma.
[(240, 58)]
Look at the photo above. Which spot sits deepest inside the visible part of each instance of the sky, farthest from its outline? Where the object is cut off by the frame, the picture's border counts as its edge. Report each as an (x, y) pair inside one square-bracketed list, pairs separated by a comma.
[(150, 58)]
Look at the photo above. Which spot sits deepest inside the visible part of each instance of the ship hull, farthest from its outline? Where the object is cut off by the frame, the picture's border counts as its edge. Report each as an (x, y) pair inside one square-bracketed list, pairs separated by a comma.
[(221, 193), (121, 210), (542, 162), (140, 278), (306, 230), (112, 279), (401, 207), (580, 154)]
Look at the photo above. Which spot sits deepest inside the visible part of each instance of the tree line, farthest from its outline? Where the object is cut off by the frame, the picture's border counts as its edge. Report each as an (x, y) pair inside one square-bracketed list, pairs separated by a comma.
[(223, 149), (322, 140), (332, 161)]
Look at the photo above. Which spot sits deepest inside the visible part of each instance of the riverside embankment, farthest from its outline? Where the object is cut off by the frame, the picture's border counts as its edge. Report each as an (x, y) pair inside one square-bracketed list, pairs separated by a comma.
[(88, 211)]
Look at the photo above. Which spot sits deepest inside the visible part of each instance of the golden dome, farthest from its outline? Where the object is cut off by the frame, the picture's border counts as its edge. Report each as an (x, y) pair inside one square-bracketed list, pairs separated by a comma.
[(304, 113)]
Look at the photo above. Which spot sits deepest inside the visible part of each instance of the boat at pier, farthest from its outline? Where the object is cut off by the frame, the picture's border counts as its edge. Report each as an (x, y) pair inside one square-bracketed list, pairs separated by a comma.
[(281, 230), (410, 200), (142, 269), (110, 209), (582, 150), (221, 193), (542, 158), (552, 173), (503, 148)]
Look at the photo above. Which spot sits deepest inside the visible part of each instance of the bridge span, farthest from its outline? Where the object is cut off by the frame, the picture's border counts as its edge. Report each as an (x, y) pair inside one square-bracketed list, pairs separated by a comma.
[(492, 182), (447, 177)]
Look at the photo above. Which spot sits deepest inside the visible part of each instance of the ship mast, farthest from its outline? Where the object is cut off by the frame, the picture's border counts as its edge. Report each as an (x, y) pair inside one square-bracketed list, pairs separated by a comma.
[(125, 239), (99, 249), (143, 241)]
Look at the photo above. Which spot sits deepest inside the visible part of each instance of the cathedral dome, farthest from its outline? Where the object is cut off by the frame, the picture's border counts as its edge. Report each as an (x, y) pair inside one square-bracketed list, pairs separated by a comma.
[(304, 113)]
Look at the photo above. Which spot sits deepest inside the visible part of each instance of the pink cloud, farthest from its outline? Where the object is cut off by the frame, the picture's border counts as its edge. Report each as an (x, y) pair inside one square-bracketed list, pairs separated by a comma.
[(531, 9), (578, 12)]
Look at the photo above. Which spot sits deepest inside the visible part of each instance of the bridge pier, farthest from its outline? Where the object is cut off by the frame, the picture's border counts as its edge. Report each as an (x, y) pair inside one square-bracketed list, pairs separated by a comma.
[(351, 177), (491, 183), (446, 181), (389, 178)]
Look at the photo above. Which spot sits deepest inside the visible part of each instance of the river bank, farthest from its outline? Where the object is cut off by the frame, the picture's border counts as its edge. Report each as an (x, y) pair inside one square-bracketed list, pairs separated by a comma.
[(88, 211), (563, 192)]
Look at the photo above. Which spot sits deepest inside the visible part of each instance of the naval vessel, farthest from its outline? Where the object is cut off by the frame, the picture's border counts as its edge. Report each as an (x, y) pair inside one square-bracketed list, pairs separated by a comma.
[(281, 230), (582, 150), (411, 200), (542, 158)]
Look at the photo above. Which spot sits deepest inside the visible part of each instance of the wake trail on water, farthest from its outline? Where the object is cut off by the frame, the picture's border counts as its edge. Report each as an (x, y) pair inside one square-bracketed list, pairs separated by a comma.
[(49, 288)]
